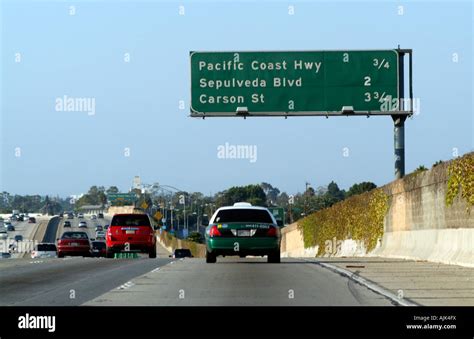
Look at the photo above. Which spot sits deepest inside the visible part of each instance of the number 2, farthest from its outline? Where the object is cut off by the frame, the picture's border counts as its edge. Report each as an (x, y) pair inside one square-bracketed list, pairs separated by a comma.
[(367, 81)]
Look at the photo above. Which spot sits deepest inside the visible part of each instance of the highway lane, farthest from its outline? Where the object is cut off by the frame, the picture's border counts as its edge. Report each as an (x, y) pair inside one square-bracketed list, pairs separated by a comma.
[(38, 282), (241, 282), (168, 282), (23, 228), (91, 225), (26, 230), (52, 282), (163, 281)]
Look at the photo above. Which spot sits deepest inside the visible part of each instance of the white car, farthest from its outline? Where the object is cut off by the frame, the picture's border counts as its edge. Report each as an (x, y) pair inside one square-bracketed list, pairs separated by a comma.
[(45, 250), (93, 217), (82, 224), (80, 215), (100, 235)]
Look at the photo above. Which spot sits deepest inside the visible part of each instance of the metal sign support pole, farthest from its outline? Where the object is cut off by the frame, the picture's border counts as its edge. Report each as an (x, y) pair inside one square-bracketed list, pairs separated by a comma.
[(399, 145), (399, 121)]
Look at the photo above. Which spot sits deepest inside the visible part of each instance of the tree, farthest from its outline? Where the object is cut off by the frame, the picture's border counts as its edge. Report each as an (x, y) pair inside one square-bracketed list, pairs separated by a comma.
[(420, 169), (112, 190), (360, 188), (95, 196), (333, 194), (253, 194), (310, 192), (271, 193), (282, 199)]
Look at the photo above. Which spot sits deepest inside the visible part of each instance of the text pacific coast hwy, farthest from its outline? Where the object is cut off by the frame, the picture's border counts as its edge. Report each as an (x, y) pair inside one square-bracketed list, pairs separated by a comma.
[(260, 66)]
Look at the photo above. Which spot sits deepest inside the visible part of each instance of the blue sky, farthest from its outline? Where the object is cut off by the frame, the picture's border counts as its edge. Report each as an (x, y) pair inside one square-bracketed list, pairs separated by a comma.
[(137, 103)]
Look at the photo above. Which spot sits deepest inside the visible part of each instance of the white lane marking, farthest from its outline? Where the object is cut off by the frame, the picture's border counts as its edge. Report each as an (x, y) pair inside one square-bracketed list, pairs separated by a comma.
[(125, 286), (36, 262), (129, 284)]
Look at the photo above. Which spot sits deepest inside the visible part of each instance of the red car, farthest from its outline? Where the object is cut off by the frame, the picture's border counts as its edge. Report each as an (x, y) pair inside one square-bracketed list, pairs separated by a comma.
[(74, 243), (131, 233)]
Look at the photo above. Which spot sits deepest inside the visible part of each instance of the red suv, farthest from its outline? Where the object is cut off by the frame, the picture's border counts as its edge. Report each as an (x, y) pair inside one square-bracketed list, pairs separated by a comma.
[(131, 233)]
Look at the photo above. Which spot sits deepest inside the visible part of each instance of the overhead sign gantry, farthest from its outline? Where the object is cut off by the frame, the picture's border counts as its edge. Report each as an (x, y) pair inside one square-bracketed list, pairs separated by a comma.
[(303, 83)]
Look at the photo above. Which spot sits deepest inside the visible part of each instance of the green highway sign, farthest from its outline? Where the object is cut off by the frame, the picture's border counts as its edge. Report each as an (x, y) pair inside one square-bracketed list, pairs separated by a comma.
[(226, 83), (122, 198), (279, 215)]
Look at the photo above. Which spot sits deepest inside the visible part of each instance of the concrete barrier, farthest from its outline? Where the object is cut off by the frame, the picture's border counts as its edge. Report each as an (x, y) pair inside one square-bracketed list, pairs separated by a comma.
[(292, 244), (418, 225)]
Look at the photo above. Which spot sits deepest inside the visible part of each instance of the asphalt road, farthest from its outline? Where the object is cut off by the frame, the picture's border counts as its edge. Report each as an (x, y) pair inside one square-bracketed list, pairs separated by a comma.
[(51, 282), (90, 230), (167, 282), (22, 228), (25, 229), (241, 282)]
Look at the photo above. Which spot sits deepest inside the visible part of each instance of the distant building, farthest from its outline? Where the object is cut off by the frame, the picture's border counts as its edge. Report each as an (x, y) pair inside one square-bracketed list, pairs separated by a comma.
[(137, 183)]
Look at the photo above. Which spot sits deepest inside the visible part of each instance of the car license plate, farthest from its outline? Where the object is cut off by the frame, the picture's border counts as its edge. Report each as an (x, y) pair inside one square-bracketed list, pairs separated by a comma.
[(129, 232), (74, 244), (243, 233)]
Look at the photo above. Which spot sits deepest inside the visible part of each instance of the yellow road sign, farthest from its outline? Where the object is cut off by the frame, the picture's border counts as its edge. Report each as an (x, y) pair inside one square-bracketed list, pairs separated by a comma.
[(158, 215)]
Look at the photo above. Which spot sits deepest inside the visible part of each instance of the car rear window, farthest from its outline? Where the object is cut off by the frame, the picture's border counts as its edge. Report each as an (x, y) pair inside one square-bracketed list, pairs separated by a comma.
[(243, 215), (74, 235), (46, 247), (130, 220)]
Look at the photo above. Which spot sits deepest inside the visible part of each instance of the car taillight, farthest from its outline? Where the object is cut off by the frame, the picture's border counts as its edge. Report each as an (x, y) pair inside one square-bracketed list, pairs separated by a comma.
[(214, 232), (272, 231), (112, 238)]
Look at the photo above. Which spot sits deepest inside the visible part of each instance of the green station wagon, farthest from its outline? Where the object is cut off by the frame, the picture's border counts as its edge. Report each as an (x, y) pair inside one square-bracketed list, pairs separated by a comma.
[(242, 230)]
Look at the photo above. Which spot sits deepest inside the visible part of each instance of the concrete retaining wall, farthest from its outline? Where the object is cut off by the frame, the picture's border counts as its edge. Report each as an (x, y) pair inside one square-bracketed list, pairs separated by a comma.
[(418, 224)]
